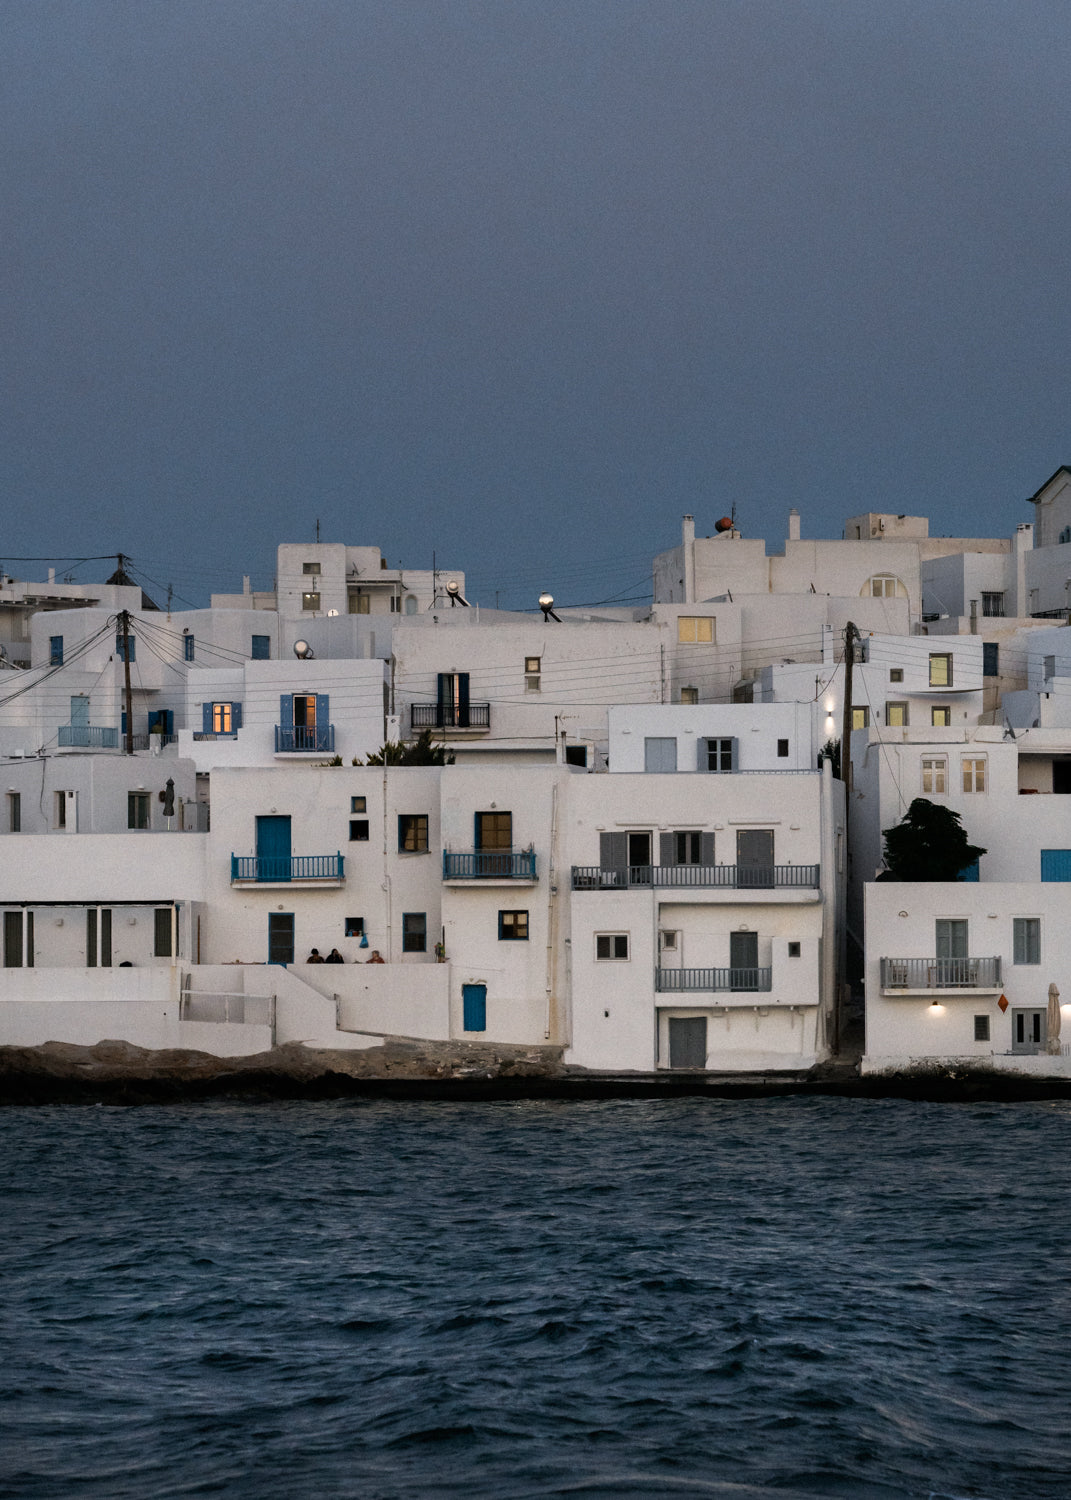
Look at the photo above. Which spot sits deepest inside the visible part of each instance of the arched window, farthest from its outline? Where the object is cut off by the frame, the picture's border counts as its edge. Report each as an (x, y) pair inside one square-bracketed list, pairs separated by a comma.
[(883, 586)]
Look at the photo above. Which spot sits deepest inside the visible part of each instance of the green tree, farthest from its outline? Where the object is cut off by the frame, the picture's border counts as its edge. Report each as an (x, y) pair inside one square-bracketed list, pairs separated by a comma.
[(421, 753), (930, 844)]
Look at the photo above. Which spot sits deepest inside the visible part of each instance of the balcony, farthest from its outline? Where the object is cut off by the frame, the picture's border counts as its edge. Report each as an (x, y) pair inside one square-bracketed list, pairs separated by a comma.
[(87, 737), (921, 976), (282, 869), (735, 981), (449, 716), (697, 877), (490, 864), (297, 739)]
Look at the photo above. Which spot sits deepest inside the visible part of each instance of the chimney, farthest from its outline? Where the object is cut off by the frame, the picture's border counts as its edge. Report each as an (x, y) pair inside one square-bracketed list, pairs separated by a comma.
[(688, 548), (793, 525), (51, 575), (245, 583), (687, 530)]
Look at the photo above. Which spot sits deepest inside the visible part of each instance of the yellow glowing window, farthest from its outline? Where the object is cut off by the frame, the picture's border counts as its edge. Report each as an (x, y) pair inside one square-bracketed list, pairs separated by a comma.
[(221, 718), (699, 628)]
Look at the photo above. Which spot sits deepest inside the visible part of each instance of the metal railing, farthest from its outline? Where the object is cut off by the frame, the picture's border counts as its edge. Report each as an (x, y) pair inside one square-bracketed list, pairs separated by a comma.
[(147, 741), (736, 981), (87, 737), (449, 716), (940, 973), (282, 868), (716, 877), (215, 734), (296, 738), (490, 864)]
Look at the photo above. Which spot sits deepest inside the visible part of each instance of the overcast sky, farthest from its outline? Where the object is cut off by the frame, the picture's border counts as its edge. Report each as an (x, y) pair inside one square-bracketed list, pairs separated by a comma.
[(521, 283)]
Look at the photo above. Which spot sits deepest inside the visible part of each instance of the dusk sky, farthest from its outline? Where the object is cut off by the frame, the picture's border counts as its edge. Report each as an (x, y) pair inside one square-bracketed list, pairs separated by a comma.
[(521, 283)]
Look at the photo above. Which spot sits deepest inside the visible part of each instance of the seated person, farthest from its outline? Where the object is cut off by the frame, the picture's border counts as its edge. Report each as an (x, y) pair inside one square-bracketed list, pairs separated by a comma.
[(334, 957), (377, 957), (314, 957)]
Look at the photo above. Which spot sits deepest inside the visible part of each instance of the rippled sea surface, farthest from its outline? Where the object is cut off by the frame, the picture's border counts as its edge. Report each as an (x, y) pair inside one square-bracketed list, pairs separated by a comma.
[(688, 1297)]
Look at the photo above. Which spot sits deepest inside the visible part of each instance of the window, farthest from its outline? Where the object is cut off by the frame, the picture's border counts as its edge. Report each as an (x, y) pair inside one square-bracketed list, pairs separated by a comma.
[(137, 809), (940, 669), (794, 950), (660, 755), (1065, 535), (934, 774), (689, 695), (310, 567), (358, 804), (222, 718), (119, 647), (55, 651), (162, 932), (611, 945), (513, 926), (896, 715), (360, 604), (697, 628), (941, 716), (354, 927), (359, 830), (896, 674), (688, 848), (494, 830), (992, 604), (395, 604), (1048, 666), (973, 773), (260, 647), (861, 717), (990, 659), (782, 749), (981, 1028), (187, 647), (532, 667), (576, 755), (414, 932), (413, 833), (1026, 940), (310, 600), (14, 812), (719, 756), (882, 586)]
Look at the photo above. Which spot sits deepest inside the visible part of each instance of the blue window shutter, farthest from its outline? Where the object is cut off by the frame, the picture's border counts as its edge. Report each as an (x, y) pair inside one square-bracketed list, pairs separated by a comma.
[(122, 722), (286, 711), (323, 713), (187, 646), (206, 717), (969, 872), (261, 648), (462, 700), (169, 721), (476, 830), (236, 716), (1055, 864), (445, 679)]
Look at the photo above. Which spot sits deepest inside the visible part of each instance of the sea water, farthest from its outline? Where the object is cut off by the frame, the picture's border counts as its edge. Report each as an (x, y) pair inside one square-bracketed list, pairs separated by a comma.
[(804, 1297)]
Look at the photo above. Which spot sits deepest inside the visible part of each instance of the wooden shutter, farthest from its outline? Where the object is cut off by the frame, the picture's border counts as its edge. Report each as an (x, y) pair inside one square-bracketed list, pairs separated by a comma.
[(706, 849), (206, 717), (667, 849), (286, 711), (613, 851), (236, 716), (462, 700)]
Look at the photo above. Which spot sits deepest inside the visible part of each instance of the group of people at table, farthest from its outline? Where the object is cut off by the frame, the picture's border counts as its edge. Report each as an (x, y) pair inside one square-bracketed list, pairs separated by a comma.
[(335, 957)]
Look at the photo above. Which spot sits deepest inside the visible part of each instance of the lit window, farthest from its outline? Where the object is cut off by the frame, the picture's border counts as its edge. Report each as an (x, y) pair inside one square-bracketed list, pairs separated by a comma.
[(896, 715), (413, 832), (611, 945), (941, 716), (689, 695), (974, 774), (934, 774), (698, 628), (513, 926), (861, 718), (940, 669), (222, 718), (532, 668), (310, 601)]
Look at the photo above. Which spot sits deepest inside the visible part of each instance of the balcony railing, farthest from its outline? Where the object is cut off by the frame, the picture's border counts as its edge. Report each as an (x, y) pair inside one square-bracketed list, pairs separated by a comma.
[(282, 868), (147, 741), (87, 737), (293, 738), (736, 981), (696, 877), (490, 864), (940, 973), (449, 716)]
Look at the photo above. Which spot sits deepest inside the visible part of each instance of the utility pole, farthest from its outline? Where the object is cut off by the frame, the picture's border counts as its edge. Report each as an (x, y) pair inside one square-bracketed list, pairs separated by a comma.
[(124, 622), (851, 635)]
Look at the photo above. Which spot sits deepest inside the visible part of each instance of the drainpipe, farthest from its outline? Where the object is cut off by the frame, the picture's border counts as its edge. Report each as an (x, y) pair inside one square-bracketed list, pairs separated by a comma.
[(974, 617), (386, 873), (551, 1028), (688, 548), (829, 1008)]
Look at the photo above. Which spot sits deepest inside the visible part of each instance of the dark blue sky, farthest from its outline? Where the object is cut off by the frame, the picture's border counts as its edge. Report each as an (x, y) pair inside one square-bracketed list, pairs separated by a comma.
[(524, 282)]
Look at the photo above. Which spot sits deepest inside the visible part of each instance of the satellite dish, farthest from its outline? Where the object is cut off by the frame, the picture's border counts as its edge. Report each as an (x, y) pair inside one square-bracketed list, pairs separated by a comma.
[(303, 650), (331, 612)]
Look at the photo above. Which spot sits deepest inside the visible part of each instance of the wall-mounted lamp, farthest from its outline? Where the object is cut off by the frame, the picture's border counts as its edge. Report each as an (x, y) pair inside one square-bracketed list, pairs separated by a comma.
[(936, 1008)]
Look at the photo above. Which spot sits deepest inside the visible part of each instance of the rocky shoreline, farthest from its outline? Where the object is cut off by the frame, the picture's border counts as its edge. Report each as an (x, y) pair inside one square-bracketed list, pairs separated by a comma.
[(117, 1073)]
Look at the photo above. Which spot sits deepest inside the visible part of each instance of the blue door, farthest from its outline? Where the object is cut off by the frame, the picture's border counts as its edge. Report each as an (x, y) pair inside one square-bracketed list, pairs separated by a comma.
[(273, 848), (1056, 864), (474, 1005)]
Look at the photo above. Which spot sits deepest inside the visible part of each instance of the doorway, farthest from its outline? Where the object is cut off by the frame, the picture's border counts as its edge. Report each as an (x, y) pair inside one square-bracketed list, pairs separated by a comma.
[(687, 1041), (281, 937), (755, 858), (743, 960), (273, 848), (1029, 1031)]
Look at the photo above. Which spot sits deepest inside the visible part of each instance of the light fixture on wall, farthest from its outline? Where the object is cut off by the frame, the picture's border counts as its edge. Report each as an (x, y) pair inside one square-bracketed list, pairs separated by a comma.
[(936, 1008)]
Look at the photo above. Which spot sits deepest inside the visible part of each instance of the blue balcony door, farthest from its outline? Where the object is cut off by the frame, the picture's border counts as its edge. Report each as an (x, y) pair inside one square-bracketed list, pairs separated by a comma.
[(80, 711), (474, 1006), (281, 937), (273, 848)]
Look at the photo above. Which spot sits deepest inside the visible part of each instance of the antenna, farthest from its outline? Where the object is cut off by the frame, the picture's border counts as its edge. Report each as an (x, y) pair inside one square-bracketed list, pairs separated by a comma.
[(317, 528)]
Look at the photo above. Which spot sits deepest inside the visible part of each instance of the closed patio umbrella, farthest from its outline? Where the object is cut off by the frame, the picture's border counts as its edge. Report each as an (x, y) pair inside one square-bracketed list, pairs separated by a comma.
[(1052, 1023)]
